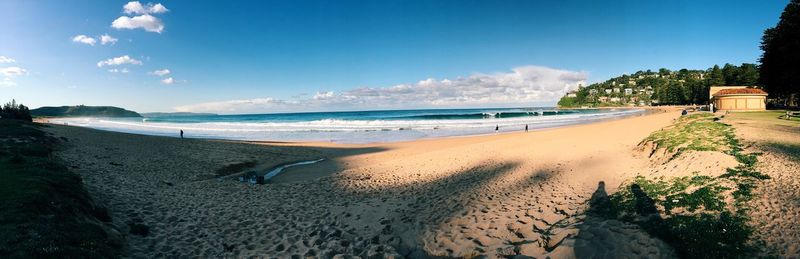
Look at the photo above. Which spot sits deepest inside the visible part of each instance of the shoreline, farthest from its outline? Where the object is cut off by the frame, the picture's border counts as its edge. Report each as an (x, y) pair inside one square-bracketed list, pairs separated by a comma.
[(395, 139)]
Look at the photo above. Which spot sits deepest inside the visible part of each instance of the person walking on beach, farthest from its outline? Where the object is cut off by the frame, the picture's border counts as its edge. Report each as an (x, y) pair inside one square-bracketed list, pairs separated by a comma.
[(526, 127), (496, 128), (181, 133)]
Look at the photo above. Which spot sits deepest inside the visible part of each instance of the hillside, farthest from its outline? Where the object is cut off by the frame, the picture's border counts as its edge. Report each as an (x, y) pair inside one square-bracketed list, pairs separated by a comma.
[(663, 87), (83, 111)]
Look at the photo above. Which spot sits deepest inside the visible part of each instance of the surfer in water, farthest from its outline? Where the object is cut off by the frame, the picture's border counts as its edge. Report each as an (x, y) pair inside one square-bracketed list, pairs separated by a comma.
[(526, 127), (181, 133), (496, 128)]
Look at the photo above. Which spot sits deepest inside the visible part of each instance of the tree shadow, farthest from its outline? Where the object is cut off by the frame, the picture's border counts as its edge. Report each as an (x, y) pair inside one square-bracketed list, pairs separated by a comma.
[(440, 203), (791, 151)]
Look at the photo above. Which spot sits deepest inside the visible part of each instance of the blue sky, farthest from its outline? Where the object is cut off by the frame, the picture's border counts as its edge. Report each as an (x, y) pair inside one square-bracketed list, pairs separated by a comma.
[(275, 56)]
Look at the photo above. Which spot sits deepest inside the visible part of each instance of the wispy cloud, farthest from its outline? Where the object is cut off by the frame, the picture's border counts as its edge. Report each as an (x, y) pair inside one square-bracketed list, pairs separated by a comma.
[(119, 61), (170, 80), (521, 86), (4, 59), (9, 73), (142, 19), (114, 70), (84, 39), (107, 39), (161, 72)]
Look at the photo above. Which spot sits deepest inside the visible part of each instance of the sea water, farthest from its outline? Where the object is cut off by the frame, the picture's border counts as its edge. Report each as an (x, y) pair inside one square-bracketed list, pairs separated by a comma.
[(355, 126)]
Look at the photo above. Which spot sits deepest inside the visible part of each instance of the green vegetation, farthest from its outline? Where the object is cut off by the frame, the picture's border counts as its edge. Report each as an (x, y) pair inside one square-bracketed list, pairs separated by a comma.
[(45, 212), (664, 87), (701, 216), (781, 58), (83, 111), (15, 111), (699, 132)]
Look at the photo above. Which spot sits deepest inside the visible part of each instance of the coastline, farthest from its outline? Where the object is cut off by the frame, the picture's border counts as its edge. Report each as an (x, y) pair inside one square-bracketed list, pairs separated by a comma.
[(356, 131)]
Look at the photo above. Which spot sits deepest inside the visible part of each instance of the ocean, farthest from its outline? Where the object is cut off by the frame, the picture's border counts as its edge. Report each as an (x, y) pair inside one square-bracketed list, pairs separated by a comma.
[(355, 126)]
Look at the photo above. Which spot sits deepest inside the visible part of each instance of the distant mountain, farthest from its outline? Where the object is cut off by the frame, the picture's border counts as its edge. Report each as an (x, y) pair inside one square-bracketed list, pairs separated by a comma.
[(83, 111), (175, 114)]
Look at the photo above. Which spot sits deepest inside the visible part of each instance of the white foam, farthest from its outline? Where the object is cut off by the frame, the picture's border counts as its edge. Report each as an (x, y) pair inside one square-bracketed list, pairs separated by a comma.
[(349, 131)]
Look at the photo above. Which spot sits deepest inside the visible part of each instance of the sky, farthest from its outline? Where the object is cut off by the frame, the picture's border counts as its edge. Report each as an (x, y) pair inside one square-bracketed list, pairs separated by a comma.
[(284, 56)]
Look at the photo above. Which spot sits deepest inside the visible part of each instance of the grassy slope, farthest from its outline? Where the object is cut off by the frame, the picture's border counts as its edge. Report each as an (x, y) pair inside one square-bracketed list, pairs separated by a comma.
[(44, 209), (701, 216)]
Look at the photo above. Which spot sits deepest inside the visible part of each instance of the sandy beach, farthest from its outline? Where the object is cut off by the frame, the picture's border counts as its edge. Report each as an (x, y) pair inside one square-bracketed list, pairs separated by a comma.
[(496, 195)]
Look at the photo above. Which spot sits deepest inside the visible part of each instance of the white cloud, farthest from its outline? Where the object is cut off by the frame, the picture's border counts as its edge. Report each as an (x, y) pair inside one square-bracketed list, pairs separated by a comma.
[(84, 39), (147, 22), (107, 39), (142, 17), (158, 8), (9, 73), (168, 81), (521, 86), (4, 59), (114, 70), (134, 7), (119, 61), (161, 72), (323, 95), (7, 82)]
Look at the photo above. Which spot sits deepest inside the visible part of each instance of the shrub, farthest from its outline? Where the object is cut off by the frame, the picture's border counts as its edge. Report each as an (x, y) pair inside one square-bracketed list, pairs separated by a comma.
[(15, 111)]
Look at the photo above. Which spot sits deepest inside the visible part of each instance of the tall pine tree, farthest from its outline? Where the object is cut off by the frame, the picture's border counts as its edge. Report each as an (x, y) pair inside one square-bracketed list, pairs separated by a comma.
[(716, 77), (780, 61)]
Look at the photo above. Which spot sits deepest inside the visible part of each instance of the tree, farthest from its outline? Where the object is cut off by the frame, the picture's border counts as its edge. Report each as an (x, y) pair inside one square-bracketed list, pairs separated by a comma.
[(671, 94), (748, 75), (13, 110), (716, 77), (730, 73), (780, 61)]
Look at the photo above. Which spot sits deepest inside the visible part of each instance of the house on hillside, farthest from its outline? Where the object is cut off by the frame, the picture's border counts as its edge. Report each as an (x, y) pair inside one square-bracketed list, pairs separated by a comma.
[(608, 90), (737, 98), (628, 91), (572, 94)]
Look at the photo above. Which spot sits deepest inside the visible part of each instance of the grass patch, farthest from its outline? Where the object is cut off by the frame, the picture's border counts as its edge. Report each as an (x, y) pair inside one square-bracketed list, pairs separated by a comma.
[(699, 132), (44, 209)]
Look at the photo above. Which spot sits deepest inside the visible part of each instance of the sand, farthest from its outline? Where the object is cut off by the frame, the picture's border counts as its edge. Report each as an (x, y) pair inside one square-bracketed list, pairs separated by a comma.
[(494, 195), (776, 212)]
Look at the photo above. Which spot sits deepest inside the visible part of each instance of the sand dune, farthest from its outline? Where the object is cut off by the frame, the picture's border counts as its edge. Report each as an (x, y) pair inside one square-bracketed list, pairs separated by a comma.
[(495, 195)]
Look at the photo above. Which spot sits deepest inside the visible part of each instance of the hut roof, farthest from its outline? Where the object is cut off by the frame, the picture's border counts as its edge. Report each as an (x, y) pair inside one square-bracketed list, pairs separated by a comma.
[(752, 91)]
